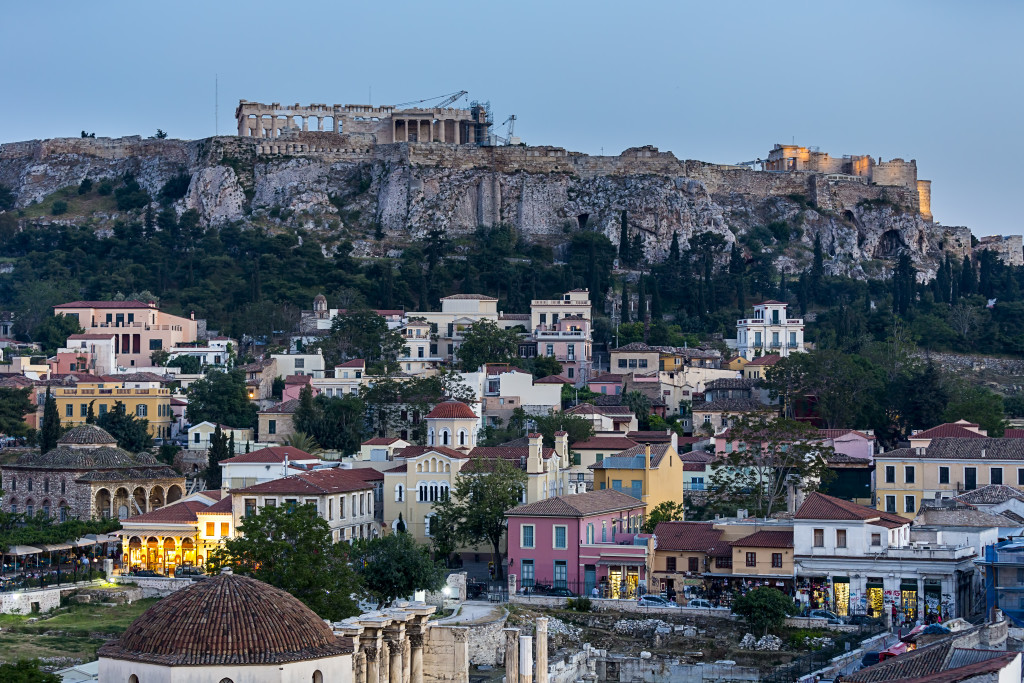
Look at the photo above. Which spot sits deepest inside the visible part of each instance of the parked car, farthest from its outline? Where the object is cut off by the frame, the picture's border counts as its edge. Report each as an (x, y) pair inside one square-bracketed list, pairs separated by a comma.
[(189, 572), (558, 592), (654, 601), (829, 617), (870, 658), (149, 573), (861, 620), (699, 602)]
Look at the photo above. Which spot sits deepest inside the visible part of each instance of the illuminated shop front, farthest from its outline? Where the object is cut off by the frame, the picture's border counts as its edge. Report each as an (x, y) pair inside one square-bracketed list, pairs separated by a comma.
[(908, 599), (841, 595), (876, 597)]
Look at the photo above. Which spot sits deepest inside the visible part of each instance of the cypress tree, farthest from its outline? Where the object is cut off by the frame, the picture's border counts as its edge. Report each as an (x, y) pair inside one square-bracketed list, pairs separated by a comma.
[(656, 311), (218, 452), (968, 283), (231, 445), (673, 249), (50, 430), (625, 302), (817, 267), (624, 244), (636, 250), (641, 299)]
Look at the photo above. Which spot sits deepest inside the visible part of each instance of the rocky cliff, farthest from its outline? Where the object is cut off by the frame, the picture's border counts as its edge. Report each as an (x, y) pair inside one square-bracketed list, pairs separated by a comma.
[(348, 185)]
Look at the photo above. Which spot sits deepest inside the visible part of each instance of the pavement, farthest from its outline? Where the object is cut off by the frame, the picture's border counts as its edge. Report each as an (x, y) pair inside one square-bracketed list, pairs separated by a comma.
[(473, 612)]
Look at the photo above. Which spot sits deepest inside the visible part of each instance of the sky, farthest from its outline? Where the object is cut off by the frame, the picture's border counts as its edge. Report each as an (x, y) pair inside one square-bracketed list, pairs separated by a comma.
[(940, 82)]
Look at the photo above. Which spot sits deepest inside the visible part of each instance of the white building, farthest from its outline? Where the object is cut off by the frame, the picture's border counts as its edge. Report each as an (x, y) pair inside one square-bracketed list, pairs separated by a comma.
[(769, 331), (265, 464), (300, 364), (854, 559), (216, 352)]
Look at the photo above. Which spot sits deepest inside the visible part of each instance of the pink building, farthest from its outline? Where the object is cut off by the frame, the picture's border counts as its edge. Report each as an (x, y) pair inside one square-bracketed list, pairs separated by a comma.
[(608, 383), (139, 327), (850, 442), (568, 340), (93, 353), (581, 542), (294, 384)]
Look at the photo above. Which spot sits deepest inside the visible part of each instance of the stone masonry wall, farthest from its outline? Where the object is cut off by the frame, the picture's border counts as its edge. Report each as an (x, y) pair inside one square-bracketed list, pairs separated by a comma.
[(446, 655)]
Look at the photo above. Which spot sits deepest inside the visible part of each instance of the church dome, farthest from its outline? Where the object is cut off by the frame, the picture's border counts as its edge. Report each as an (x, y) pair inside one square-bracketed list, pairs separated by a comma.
[(451, 410), (227, 620), (88, 436)]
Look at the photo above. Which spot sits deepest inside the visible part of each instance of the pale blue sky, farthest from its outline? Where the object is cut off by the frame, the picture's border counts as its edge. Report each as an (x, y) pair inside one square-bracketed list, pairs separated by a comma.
[(939, 82)]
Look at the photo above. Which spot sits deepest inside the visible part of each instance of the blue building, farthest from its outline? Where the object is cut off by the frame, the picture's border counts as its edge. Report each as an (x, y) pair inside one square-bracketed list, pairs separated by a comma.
[(1004, 579)]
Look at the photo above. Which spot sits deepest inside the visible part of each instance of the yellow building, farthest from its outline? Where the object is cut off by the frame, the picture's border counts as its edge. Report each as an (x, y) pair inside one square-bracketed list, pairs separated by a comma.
[(737, 364), (153, 404), (182, 533), (764, 554), (956, 459), (653, 474)]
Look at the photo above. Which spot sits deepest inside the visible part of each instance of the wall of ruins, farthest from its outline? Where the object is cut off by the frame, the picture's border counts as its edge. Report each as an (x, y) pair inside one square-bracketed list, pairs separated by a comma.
[(924, 198), (1010, 248), (486, 642), (446, 654), (895, 172)]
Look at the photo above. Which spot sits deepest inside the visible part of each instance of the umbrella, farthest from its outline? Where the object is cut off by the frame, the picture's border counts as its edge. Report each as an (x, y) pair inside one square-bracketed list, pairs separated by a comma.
[(49, 547), (23, 550), (84, 541)]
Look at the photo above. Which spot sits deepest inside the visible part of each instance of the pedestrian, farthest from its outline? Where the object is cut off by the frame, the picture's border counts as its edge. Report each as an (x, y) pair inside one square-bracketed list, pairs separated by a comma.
[(594, 593)]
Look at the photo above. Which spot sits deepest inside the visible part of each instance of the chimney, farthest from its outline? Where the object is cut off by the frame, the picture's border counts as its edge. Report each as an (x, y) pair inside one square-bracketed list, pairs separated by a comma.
[(675, 441), (562, 449), (983, 452), (535, 460), (192, 315), (647, 456)]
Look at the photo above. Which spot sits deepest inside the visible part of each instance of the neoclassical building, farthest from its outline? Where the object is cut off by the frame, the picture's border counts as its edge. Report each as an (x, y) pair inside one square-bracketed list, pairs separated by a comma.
[(88, 477)]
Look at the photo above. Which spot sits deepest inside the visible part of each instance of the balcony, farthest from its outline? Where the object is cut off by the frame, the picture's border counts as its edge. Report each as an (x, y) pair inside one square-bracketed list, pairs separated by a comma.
[(541, 334), (920, 552)]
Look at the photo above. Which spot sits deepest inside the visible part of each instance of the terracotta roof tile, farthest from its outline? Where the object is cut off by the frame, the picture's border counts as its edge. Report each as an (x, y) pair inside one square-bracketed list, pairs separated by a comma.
[(380, 441), (614, 444), (452, 410), (106, 304), (950, 429), (579, 505), (767, 359), (766, 538), (271, 454), (687, 536), (819, 506), (315, 483), (183, 512)]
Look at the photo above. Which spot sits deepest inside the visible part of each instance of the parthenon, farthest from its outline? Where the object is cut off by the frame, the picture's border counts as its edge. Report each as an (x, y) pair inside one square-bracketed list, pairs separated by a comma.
[(385, 123)]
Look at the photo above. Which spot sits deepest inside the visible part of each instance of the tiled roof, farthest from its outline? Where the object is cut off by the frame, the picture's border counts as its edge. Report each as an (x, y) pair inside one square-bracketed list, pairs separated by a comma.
[(732, 383), (960, 516), (635, 347), (553, 379), (183, 512), (106, 304), (694, 467), (357, 363), (972, 448), (607, 378), (380, 441), (414, 451), (508, 452), (86, 337), (839, 433), (482, 297), (367, 474), (765, 539), (614, 444), (950, 429), (227, 620), (452, 410), (819, 506), (1013, 433), (272, 454), (404, 467), (298, 379), (285, 408), (772, 301), (315, 483), (767, 359), (651, 436), (731, 405), (139, 377), (514, 316), (687, 536), (579, 505), (87, 434), (610, 411), (938, 662), (81, 377), (992, 494), (221, 507)]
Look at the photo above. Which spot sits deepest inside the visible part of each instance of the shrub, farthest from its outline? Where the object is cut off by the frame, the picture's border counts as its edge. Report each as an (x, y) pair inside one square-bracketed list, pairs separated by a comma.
[(85, 186), (105, 188), (59, 207), (580, 604), (176, 187)]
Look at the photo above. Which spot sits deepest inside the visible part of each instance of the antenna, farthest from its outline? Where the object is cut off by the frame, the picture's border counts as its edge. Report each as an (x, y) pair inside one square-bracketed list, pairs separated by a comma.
[(216, 104)]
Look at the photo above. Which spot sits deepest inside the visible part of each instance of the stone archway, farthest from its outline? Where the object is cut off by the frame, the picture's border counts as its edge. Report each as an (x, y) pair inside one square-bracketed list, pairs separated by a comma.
[(122, 501), (102, 503), (156, 497), (173, 493), (138, 503), (889, 246)]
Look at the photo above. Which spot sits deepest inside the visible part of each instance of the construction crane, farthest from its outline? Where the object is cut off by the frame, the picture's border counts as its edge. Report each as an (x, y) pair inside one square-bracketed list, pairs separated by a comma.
[(511, 122), (448, 99)]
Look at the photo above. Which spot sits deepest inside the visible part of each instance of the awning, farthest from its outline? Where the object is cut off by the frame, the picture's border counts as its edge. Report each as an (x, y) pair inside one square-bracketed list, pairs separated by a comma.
[(622, 563), (50, 547), (83, 541), (23, 550), (103, 538)]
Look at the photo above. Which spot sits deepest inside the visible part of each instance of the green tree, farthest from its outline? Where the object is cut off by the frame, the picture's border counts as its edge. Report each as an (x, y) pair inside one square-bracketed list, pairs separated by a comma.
[(665, 511), (50, 430), (578, 428), (59, 207), (131, 432), (542, 366), (764, 608), (443, 536), (187, 365), (770, 455), (26, 671), (217, 453), (640, 404), (221, 398), (15, 404), (54, 331), (160, 135), (277, 389), (976, 404), (485, 342), (303, 442), (395, 566), (7, 198), (85, 187), (362, 334), (483, 492), (159, 357), (290, 548), (333, 423)]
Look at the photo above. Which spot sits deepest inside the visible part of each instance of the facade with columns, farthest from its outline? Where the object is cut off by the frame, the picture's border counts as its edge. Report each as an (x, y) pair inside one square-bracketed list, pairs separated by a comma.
[(385, 123)]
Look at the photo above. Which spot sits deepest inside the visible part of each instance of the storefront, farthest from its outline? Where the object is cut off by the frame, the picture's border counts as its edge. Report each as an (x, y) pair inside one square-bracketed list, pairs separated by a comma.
[(623, 580), (933, 601), (876, 597), (908, 600), (841, 595), (816, 591)]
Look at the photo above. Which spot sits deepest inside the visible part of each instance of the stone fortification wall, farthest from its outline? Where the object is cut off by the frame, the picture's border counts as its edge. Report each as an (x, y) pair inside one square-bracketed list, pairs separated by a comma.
[(896, 172)]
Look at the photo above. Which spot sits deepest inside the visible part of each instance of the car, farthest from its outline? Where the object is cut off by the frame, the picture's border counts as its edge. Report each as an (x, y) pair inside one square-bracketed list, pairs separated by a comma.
[(654, 601), (870, 658), (560, 593), (149, 573), (189, 572), (699, 602), (861, 620), (829, 617)]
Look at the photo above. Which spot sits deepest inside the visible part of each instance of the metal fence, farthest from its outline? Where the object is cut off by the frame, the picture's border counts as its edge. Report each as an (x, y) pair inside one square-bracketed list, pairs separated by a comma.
[(819, 659)]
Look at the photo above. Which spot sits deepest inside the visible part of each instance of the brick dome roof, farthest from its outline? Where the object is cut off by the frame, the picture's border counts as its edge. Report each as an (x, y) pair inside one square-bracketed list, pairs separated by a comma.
[(227, 620), (90, 435), (452, 410)]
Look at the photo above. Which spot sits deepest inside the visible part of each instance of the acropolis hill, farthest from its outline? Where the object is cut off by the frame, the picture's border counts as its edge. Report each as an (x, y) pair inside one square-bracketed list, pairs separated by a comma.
[(400, 173)]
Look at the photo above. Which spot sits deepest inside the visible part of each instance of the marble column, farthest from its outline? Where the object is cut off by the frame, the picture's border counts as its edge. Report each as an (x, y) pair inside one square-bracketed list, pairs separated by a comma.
[(525, 659), (415, 658), (396, 666), (542, 650), (511, 655)]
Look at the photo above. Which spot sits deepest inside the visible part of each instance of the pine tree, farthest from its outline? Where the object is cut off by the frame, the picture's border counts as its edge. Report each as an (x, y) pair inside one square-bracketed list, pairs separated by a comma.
[(625, 302), (218, 452), (50, 430)]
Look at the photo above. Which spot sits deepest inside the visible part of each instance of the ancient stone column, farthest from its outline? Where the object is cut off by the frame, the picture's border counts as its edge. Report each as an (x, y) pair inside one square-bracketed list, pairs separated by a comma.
[(525, 659), (542, 650), (372, 664), (395, 668), (320, 123), (511, 655), (416, 658)]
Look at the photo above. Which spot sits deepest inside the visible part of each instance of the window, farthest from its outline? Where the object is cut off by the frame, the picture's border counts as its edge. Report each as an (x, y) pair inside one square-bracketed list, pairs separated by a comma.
[(300, 362), (196, 440), (723, 562), (1020, 476), (426, 525), (69, 410), (751, 559), (890, 474), (526, 567), (819, 538), (943, 475), (250, 507), (622, 362), (670, 564), (777, 560), (399, 493), (643, 362), (224, 529), (270, 502), (210, 530), (890, 503), (908, 503), (876, 539), (840, 538), (908, 474), (693, 564), (560, 537), (632, 362), (141, 410), (83, 410), (550, 349), (970, 478), (561, 574), (103, 409), (590, 533), (526, 536), (996, 475), (271, 426)]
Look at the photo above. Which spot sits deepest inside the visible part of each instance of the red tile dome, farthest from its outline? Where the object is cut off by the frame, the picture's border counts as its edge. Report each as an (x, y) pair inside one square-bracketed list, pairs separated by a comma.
[(452, 410), (227, 619)]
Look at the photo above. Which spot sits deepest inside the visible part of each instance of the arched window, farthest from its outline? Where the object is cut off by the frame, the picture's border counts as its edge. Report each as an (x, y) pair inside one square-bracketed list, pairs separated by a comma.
[(422, 493), (46, 485), (445, 435), (430, 438), (29, 484), (133, 679), (14, 483), (318, 677), (62, 487), (223, 680), (399, 493), (462, 437)]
